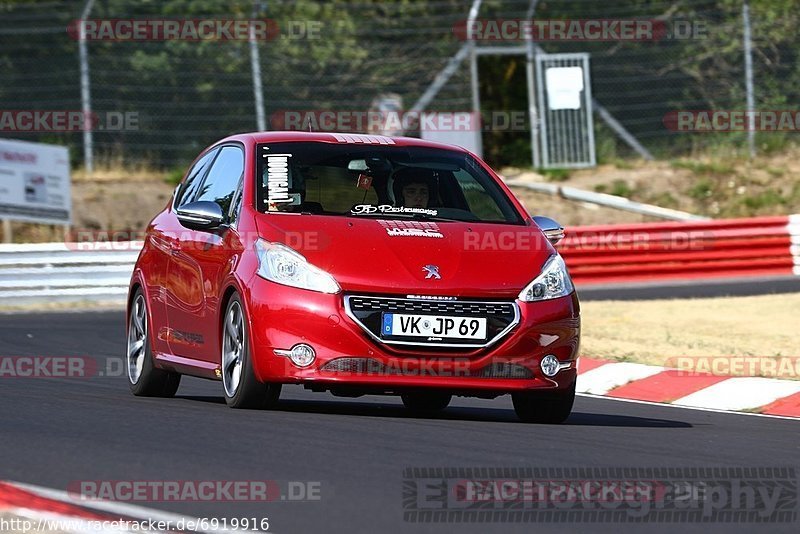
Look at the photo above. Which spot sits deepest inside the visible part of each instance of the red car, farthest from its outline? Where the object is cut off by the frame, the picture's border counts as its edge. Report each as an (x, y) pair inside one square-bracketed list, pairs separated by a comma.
[(353, 264)]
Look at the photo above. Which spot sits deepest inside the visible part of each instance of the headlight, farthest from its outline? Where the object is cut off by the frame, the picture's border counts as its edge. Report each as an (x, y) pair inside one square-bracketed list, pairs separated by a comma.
[(283, 265), (553, 282)]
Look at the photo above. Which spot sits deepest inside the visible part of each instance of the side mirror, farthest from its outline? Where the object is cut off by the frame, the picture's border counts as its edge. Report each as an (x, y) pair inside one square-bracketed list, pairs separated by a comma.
[(553, 231), (201, 215)]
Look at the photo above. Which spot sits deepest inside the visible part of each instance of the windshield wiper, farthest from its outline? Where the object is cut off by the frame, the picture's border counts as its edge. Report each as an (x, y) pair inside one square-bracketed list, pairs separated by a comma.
[(424, 217)]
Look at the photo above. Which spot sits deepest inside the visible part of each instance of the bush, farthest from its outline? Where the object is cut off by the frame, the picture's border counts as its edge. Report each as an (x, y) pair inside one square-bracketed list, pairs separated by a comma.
[(701, 190), (621, 188), (556, 175)]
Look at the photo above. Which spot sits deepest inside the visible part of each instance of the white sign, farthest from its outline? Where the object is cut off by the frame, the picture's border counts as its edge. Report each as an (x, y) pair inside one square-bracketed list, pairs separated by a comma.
[(564, 86), (35, 182)]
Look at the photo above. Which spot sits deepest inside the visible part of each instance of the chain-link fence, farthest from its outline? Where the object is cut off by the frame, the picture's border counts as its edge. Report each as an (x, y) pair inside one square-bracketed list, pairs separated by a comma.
[(181, 94)]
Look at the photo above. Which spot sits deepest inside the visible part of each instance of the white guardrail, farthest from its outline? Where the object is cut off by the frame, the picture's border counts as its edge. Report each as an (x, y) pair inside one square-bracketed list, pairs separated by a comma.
[(604, 199), (45, 272)]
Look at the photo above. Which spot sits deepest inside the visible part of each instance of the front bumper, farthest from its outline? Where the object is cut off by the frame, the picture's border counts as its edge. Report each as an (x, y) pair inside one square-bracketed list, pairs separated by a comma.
[(347, 355)]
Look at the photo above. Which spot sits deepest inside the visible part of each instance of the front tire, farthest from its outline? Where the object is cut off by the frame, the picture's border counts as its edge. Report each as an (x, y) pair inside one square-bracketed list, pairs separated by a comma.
[(426, 402), (240, 385), (546, 408), (144, 379)]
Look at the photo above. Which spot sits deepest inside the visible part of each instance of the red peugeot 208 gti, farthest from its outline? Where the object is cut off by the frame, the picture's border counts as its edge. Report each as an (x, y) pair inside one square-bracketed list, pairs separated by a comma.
[(354, 264)]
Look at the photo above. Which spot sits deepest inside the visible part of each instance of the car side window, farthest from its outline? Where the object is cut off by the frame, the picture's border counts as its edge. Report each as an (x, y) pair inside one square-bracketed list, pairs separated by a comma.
[(195, 178), (223, 179)]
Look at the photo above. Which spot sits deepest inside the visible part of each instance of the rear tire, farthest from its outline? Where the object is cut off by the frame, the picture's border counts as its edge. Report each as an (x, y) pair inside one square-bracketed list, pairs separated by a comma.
[(546, 408), (239, 383), (144, 379), (423, 402)]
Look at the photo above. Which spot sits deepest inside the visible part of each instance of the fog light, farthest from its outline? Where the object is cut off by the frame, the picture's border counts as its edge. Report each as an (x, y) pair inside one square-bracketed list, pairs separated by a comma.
[(302, 355), (550, 365)]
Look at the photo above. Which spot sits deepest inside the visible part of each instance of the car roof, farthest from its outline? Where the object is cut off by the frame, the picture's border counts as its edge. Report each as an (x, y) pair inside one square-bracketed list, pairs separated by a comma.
[(337, 138)]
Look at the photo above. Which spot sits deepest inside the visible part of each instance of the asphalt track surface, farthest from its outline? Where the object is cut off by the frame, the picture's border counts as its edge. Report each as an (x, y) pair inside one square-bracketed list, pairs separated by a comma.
[(57, 431)]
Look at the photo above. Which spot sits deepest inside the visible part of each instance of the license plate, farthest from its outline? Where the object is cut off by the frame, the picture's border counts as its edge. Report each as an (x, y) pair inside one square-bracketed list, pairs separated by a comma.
[(433, 326)]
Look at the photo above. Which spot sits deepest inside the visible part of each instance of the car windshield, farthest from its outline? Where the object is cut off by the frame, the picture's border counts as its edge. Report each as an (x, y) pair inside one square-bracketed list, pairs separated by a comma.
[(383, 181)]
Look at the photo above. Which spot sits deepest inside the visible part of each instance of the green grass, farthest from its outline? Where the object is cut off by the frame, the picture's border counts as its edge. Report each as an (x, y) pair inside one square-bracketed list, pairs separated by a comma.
[(623, 164), (663, 199), (704, 167), (621, 188), (701, 190), (556, 175), (776, 172), (764, 199), (794, 197)]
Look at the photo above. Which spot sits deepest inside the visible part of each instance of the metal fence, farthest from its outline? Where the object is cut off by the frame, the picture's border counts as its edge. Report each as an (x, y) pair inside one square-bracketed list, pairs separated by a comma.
[(342, 55), (567, 128)]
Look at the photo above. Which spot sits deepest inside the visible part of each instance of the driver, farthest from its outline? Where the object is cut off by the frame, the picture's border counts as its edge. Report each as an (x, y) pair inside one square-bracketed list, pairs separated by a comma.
[(415, 187)]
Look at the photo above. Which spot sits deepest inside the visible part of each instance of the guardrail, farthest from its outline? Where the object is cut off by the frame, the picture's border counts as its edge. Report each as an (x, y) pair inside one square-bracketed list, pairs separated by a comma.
[(594, 254), (66, 272), (681, 250), (604, 199)]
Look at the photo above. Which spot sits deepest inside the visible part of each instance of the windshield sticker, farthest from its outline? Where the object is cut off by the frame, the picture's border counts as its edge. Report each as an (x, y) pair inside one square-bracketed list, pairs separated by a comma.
[(411, 229), (365, 209), (278, 179)]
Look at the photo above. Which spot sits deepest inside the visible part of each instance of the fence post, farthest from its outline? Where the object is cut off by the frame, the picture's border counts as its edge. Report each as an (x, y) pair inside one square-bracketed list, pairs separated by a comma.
[(255, 63), (473, 70), (86, 97), (748, 72), (530, 75)]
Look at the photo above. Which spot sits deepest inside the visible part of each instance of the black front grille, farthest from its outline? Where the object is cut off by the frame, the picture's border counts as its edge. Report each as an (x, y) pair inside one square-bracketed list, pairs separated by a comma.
[(433, 307), (505, 370), (368, 311), (354, 365)]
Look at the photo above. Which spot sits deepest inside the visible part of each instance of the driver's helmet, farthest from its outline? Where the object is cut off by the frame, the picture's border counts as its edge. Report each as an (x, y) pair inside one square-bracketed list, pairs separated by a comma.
[(411, 175)]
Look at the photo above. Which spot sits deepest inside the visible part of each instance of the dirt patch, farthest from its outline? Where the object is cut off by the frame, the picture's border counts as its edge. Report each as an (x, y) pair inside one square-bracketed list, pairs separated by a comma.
[(108, 205), (118, 205), (659, 331)]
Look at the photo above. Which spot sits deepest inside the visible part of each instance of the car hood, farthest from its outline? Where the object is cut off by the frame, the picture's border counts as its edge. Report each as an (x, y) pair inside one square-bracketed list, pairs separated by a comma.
[(389, 256)]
